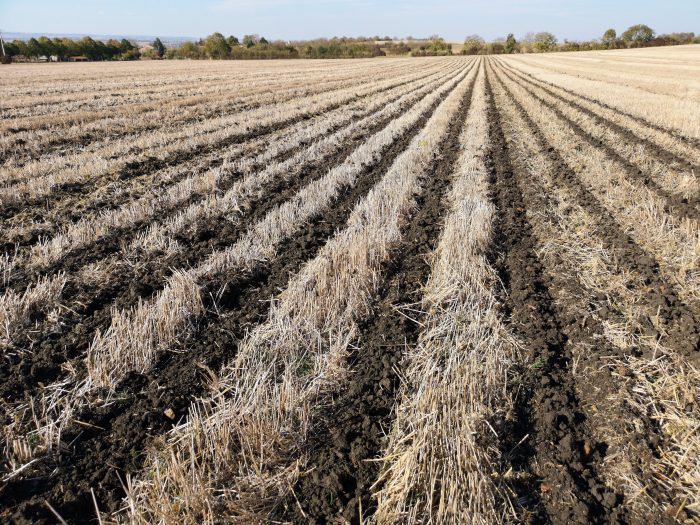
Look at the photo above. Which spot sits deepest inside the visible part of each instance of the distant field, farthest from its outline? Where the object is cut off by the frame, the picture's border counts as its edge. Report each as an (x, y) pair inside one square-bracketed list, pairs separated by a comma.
[(445, 290)]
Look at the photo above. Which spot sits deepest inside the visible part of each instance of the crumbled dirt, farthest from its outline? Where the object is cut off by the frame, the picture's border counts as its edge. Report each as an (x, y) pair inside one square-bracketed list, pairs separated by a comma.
[(552, 443), (549, 432), (681, 322), (91, 305), (65, 205), (548, 376), (99, 457), (37, 208), (349, 437)]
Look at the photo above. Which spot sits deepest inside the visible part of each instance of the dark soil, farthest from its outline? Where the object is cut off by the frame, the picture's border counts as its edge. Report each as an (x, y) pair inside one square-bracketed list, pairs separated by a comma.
[(19, 153), (90, 306), (549, 439), (682, 322), (67, 146), (577, 322), (66, 208), (352, 425), (71, 210), (36, 207), (101, 457)]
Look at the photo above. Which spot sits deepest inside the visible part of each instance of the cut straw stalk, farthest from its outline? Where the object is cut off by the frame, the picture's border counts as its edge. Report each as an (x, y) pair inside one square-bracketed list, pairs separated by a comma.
[(443, 461), (235, 451)]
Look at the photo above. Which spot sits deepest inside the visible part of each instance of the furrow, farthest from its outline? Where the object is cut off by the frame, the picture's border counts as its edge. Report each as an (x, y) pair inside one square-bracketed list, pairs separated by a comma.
[(79, 172), (296, 355), (346, 441), (136, 119), (647, 110), (678, 187), (662, 246), (551, 443), (89, 300), (664, 146), (138, 336)]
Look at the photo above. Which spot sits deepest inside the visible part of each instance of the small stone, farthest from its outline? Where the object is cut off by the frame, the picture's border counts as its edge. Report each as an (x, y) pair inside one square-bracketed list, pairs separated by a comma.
[(169, 413)]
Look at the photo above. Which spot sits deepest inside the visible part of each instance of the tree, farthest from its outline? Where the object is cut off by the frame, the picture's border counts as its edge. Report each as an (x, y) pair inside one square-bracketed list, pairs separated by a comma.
[(473, 45), (47, 47), (232, 42), (114, 49), (159, 48), (60, 48), (544, 42), (250, 40), (11, 49), (511, 44), (189, 50), (496, 48), (438, 46), (216, 46), (34, 48), (609, 38), (263, 41), (638, 34)]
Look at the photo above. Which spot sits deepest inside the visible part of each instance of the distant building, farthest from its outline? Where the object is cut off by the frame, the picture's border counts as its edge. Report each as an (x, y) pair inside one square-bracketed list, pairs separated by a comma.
[(78, 58)]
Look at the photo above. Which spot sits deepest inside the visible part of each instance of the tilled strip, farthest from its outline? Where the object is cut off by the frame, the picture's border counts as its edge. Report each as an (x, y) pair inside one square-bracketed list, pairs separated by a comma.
[(549, 435), (176, 380), (91, 304), (680, 320), (166, 86), (677, 205), (100, 246), (583, 317), (347, 442), (640, 120), (247, 435), (146, 164), (199, 106), (657, 150)]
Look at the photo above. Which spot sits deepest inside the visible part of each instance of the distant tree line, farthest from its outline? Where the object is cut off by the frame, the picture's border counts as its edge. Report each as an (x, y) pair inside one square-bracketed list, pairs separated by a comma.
[(218, 47), (639, 35), (64, 48)]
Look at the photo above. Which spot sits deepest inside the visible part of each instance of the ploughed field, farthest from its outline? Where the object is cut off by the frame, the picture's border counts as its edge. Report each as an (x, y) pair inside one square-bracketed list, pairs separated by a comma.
[(452, 290)]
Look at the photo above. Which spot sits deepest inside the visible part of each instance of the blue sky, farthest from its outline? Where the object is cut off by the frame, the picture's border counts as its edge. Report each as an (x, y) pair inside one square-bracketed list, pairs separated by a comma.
[(298, 19)]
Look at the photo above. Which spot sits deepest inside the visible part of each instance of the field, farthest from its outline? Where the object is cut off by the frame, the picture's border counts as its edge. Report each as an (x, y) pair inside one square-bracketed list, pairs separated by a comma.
[(442, 290)]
